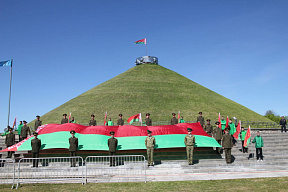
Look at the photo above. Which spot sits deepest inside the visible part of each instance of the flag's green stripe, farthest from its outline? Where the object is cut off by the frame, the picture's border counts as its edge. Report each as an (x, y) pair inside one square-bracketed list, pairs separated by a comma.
[(99, 142), (140, 43)]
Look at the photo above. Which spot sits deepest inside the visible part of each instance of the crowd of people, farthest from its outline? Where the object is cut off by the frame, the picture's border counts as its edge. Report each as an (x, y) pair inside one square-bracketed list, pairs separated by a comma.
[(222, 133)]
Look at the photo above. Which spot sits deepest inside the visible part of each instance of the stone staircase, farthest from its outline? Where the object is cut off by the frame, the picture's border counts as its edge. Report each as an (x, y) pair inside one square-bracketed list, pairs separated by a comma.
[(16, 155)]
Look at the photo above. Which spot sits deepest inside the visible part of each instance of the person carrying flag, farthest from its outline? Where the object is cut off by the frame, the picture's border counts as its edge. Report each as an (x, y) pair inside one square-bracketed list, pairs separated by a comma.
[(218, 135), (182, 120), (64, 119), (38, 123), (242, 136), (19, 130), (223, 123), (110, 122), (208, 127)]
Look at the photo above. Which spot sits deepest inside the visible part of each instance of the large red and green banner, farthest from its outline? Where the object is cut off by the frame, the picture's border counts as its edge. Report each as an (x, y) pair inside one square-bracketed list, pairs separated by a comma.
[(55, 136)]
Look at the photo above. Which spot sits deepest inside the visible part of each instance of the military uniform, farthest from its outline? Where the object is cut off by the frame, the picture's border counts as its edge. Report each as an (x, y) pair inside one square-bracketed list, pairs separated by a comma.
[(200, 119), (36, 145), (120, 122), (73, 146), (38, 123), (174, 121), (150, 144), (148, 121), (227, 144), (92, 122), (24, 132), (189, 141), (208, 129), (218, 136), (64, 120), (112, 144), (9, 141)]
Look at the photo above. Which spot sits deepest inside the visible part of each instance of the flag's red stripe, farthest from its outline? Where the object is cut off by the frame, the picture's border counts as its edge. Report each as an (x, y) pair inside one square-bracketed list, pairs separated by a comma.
[(133, 117), (124, 131)]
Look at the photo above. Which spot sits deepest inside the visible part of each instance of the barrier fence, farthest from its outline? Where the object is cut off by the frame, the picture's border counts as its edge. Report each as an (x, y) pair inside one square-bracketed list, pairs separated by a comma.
[(40, 170), (115, 168), (73, 169), (7, 171)]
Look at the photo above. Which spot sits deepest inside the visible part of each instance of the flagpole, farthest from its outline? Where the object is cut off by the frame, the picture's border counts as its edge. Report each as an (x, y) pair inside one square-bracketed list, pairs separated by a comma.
[(10, 92), (146, 46)]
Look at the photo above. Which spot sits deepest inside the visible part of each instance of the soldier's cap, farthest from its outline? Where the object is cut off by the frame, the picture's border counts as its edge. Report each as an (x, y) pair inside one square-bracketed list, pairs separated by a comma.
[(147, 114), (92, 115), (112, 132), (200, 112), (35, 133), (226, 130), (217, 123), (148, 131), (64, 114), (24, 121), (189, 129), (120, 115), (173, 114), (37, 116), (208, 120), (9, 128), (72, 132)]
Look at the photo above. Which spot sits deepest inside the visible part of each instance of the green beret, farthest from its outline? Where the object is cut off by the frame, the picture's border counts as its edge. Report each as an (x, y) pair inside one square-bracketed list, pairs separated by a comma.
[(112, 132), (148, 131), (189, 129)]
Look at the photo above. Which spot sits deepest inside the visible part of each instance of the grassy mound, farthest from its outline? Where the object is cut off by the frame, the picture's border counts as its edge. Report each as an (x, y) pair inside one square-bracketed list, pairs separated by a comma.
[(154, 89)]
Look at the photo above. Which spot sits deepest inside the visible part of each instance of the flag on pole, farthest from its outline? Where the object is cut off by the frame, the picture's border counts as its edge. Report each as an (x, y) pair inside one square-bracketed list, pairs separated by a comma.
[(219, 119), (178, 116), (105, 118), (7, 63), (227, 122), (141, 41), (14, 123), (69, 118), (134, 118), (247, 138), (238, 129)]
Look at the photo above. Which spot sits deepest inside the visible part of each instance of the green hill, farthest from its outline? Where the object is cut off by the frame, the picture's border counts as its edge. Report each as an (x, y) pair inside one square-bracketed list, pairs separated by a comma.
[(154, 89)]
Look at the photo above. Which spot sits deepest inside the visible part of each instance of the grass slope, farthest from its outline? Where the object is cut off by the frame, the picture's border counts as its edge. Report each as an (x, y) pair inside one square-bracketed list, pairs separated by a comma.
[(153, 89)]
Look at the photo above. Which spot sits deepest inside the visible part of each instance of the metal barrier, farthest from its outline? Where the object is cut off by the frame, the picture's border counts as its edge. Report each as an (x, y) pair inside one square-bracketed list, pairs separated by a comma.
[(40, 170), (115, 168), (7, 171)]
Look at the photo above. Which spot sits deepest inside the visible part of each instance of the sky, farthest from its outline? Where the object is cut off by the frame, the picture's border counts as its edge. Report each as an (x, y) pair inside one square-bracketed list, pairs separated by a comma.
[(62, 48)]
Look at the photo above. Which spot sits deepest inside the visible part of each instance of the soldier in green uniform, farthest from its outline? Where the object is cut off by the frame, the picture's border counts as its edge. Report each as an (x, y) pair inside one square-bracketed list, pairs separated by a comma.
[(181, 120), (174, 120), (110, 122), (208, 127), (36, 145), (150, 144), (64, 119), (10, 140), (38, 123), (19, 130), (218, 135), (148, 121), (189, 143), (200, 119), (24, 131), (227, 144), (112, 144), (92, 121), (120, 121), (73, 146)]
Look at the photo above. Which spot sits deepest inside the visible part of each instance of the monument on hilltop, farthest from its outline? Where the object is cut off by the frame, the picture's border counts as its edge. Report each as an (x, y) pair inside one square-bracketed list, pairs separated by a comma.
[(146, 60)]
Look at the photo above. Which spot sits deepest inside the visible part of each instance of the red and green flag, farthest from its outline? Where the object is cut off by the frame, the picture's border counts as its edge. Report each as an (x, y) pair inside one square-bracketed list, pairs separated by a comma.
[(227, 122), (141, 41), (105, 118), (135, 118), (55, 136), (247, 137), (238, 130)]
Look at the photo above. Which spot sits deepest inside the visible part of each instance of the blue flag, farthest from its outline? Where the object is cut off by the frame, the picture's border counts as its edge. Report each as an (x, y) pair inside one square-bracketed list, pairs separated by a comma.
[(5, 63)]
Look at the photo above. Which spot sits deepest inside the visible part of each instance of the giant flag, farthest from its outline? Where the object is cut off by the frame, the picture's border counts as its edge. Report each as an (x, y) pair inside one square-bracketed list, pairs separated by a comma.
[(129, 137)]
